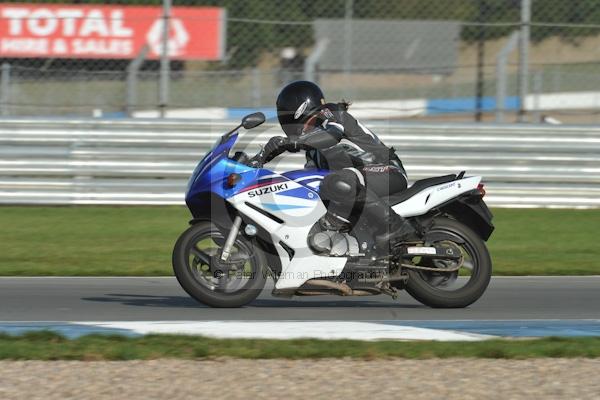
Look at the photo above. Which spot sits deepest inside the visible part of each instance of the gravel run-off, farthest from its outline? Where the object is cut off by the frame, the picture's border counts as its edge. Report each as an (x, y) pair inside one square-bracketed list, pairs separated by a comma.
[(549, 378)]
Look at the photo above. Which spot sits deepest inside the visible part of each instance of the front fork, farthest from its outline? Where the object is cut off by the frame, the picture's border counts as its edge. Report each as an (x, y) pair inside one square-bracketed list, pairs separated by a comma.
[(235, 230)]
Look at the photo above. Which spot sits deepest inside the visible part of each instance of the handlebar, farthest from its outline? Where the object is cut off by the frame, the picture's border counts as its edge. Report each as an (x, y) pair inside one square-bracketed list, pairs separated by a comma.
[(257, 160), (254, 162)]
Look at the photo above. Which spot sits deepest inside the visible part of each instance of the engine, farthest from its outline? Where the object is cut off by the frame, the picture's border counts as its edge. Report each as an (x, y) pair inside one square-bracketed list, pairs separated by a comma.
[(335, 244)]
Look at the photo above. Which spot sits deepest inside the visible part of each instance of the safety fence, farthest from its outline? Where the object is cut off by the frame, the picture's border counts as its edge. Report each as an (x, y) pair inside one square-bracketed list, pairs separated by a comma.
[(149, 161), (467, 59)]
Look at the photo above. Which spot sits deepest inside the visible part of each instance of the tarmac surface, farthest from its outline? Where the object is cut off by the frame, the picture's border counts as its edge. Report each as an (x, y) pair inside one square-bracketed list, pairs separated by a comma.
[(161, 299)]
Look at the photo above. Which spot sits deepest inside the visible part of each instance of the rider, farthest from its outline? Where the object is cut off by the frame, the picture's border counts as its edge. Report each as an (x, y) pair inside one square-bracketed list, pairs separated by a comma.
[(363, 168)]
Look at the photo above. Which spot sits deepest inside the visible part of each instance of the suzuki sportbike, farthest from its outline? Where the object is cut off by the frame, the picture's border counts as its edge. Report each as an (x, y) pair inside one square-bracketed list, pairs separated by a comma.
[(250, 223)]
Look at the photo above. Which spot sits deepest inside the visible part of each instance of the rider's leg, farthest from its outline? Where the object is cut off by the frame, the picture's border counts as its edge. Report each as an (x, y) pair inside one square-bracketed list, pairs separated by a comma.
[(341, 190), (348, 187), (381, 181), (393, 228)]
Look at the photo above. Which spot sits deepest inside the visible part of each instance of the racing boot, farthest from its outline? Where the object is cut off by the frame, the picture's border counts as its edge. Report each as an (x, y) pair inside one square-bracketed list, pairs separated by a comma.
[(394, 228)]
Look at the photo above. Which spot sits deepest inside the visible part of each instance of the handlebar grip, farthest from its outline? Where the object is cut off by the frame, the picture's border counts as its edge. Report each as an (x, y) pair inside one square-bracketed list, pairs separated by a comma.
[(255, 162), (258, 160)]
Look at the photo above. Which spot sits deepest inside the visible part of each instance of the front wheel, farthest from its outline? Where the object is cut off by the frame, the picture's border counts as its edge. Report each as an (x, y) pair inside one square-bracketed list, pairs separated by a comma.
[(453, 289), (202, 274)]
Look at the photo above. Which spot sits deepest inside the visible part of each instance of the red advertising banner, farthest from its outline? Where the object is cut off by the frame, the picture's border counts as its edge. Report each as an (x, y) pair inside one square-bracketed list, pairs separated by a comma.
[(103, 31)]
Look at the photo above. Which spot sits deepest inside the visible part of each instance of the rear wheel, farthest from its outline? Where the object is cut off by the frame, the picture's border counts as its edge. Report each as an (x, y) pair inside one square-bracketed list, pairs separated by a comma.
[(453, 289), (202, 274)]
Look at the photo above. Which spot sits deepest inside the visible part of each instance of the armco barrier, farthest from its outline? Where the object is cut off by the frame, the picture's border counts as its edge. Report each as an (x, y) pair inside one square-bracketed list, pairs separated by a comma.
[(149, 161)]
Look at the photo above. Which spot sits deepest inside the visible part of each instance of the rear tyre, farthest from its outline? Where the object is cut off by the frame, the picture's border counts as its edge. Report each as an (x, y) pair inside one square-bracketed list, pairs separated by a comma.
[(433, 290), (197, 266)]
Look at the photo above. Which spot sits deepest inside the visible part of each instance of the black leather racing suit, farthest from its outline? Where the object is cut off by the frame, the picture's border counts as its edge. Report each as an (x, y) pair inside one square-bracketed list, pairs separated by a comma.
[(364, 169)]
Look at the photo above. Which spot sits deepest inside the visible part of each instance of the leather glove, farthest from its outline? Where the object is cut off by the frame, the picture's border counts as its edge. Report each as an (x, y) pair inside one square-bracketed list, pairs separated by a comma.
[(276, 143), (275, 146), (293, 145)]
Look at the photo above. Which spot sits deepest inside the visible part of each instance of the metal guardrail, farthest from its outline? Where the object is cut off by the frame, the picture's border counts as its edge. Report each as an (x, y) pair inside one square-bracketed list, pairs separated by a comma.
[(149, 161)]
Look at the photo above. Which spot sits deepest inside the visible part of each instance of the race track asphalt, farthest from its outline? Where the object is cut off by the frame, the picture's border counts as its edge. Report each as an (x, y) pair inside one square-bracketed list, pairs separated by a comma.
[(145, 299)]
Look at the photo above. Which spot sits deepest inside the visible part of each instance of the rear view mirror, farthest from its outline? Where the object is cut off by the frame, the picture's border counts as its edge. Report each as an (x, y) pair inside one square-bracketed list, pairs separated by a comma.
[(253, 120)]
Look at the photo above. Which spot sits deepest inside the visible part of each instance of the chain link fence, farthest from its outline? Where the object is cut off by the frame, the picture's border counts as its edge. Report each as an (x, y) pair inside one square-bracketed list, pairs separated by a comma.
[(464, 60)]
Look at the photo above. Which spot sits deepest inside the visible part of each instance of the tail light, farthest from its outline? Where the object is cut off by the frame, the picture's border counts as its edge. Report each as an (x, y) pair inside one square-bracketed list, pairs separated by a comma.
[(481, 189)]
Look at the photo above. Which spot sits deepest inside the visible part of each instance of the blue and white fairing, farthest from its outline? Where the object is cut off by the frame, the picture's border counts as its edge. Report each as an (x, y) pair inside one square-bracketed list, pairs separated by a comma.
[(291, 197)]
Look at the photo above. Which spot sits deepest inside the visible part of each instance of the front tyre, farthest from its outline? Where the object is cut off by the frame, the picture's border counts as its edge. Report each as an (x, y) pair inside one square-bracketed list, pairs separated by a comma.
[(453, 289), (201, 273)]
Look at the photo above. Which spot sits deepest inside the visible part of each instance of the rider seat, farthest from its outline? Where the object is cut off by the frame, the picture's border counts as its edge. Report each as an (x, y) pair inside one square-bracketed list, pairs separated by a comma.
[(399, 197)]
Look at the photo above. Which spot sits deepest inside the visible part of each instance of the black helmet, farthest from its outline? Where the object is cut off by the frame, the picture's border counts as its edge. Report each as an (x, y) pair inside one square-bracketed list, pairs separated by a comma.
[(296, 103)]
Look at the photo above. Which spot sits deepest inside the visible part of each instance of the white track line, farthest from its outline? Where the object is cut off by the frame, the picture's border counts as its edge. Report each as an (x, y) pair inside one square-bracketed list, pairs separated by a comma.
[(289, 330)]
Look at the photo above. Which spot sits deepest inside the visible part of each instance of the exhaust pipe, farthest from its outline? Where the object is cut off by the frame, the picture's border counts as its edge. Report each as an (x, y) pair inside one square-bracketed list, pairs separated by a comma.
[(323, 283), (344, 289)]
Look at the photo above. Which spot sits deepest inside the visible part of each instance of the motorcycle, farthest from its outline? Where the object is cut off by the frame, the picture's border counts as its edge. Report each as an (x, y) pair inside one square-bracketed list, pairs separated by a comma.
[(250, 223)]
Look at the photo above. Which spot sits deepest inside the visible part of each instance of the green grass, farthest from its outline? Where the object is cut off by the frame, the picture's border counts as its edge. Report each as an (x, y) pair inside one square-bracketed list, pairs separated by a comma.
[(546, 242), (50, 346), (91, 240)]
